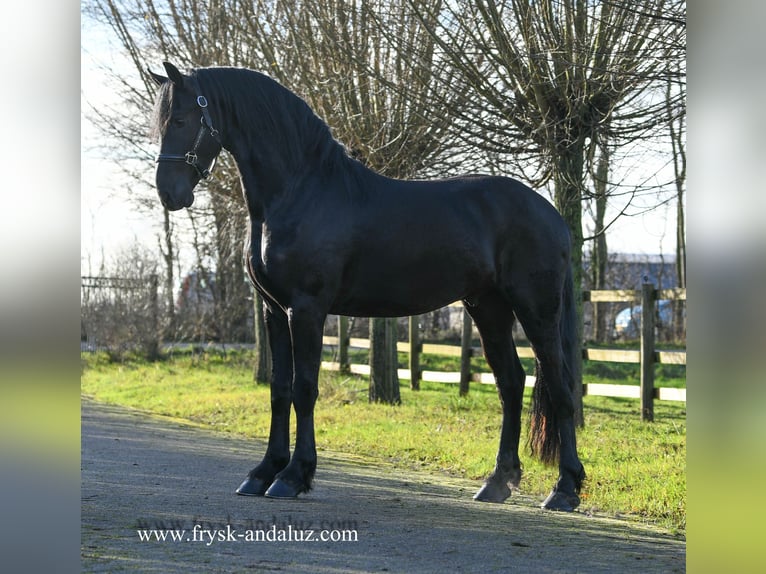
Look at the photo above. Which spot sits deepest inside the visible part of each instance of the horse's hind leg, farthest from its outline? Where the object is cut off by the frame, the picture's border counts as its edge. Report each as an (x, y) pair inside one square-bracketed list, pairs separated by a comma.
[(278, 451), (552, 429), (494, 320)]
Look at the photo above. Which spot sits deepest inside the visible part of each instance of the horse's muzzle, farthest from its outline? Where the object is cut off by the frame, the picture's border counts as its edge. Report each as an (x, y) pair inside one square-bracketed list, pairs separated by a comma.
[(173, 204)]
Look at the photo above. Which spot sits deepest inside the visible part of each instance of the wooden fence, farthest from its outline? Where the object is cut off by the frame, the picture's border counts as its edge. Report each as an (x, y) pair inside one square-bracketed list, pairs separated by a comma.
[(647, 355)]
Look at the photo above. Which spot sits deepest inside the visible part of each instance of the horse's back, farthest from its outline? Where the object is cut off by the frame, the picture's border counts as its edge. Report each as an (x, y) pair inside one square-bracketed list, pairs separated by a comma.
[(418, 245), (503, 207)]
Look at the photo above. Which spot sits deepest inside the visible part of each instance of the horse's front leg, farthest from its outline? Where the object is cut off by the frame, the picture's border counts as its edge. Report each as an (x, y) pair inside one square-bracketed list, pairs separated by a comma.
[(306, 325), (278, 451)]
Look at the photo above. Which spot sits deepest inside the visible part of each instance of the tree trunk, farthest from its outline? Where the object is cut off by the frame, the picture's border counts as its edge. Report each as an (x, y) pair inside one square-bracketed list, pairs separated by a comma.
[(681, 241), (678, 306), (343, 340), (677, 132), (415, 346), (466, 351), (384, 378), (568, 197), (169, 258), (153, 340), (262, 370), (600, 253)]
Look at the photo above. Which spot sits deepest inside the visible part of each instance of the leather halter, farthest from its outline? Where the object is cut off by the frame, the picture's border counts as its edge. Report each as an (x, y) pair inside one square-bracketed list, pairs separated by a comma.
[(190, 157)]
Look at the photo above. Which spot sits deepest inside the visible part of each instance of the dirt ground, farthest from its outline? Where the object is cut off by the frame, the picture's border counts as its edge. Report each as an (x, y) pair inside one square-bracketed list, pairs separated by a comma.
[(142, 472)]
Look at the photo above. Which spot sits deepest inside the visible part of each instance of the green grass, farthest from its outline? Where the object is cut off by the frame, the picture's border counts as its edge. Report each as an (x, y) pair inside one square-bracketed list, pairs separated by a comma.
[(635, 470)]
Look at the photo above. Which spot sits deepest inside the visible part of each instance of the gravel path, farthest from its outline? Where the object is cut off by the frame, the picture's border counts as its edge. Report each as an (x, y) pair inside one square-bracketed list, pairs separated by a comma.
[(144, 472)]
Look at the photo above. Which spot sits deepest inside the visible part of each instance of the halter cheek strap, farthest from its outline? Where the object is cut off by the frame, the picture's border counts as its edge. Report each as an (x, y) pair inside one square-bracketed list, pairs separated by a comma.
[(206, 127)]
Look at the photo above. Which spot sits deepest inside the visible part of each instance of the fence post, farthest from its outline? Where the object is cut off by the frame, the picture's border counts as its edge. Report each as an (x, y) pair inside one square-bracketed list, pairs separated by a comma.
[(415, 348), (648, 296), (343, 342), (465, 353)]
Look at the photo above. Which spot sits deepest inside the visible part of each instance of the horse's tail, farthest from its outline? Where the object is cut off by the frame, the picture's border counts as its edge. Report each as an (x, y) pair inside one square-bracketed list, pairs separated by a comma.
[(544, 439)]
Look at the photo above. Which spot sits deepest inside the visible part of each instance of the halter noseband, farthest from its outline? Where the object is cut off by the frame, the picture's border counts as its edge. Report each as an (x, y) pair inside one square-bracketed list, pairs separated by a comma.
[(190, 157)]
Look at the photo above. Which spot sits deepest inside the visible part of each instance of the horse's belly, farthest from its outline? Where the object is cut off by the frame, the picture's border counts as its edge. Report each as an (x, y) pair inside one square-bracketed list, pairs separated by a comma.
[(401, 291), (388, 308)]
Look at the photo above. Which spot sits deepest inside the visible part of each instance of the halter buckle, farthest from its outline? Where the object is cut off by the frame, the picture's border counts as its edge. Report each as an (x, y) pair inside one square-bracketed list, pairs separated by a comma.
[(191, 158), (202, 101)]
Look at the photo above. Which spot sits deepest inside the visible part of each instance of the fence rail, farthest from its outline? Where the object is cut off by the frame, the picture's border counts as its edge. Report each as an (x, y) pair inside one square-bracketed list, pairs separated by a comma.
[(647, 356)]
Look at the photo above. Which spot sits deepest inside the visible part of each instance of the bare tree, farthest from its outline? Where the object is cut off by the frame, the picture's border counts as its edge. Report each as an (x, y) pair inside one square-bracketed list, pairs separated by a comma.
[(553, 78)]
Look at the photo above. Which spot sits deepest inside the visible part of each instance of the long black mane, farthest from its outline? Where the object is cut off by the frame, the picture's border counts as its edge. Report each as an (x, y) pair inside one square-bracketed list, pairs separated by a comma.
[(260, 109)]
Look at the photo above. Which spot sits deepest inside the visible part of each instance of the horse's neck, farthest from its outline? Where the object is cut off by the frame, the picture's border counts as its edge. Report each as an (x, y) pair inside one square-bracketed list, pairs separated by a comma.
[(255, 202), (262, 183), (269, 183)]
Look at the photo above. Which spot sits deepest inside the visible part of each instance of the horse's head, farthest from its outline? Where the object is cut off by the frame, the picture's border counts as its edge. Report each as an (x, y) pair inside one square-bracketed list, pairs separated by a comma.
[(189, 144)]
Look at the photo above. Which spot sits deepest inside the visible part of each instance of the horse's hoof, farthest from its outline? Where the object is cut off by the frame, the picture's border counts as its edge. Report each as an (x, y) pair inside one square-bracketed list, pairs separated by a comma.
[(253, 487), (492, 492), (281, 489), (561, 501)]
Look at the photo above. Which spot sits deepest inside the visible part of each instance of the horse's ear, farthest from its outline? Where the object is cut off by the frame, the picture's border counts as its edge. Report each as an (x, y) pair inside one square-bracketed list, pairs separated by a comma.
[(159, 80), (175, 76)]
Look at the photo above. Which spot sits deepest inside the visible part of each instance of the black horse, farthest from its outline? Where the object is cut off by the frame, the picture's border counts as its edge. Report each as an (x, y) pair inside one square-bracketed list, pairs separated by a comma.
[(328, 235)]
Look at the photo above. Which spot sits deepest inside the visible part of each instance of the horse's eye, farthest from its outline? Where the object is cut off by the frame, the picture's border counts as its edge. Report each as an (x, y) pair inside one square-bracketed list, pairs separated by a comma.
[(179, 122)]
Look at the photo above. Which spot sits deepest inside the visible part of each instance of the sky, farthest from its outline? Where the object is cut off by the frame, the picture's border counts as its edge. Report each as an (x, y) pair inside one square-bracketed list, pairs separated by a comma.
[(111, 224)]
